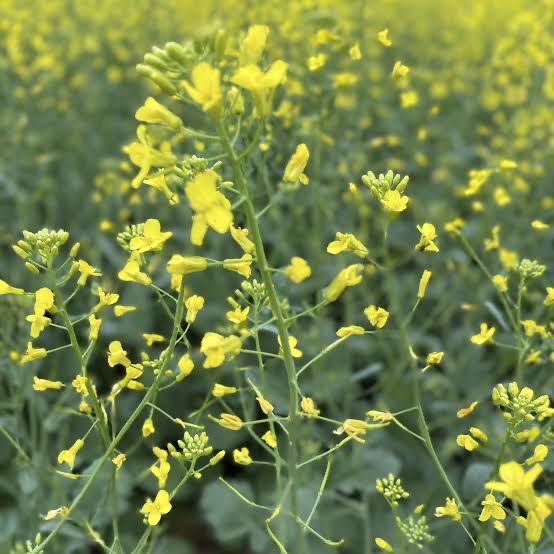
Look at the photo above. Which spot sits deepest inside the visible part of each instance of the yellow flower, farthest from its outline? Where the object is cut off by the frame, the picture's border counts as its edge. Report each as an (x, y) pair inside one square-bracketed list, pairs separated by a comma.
[(467, 442), (484, 336), (253, 44), (148, 427), (478, 434), (44, 300), (7, 289), (463, 412), (215, 347), (238, 316), (261, 85), (316, 62), (146, 157), (428, 235), (353, 428), (185, 365), (450, 510), (211, 208), (68, 456), (161, 468), (154, 112), (183, 265), (62, 511), (217, 458), (193, 304), (409, 99), (94, 323), (293, 341), (152, 338), (308, 407), (296, 164), (298, 270), (241, 237), (348, 277), (38, 323), (539, 455), (240, 266), (423, 282), (491, 508), (131, 272), (105, 299), (500, 282), (507, 164), (154, 509), (376, 316), (350, 330), (152, 238), (158, 182), (119, 460), (380, 417), (122, 310), (265, 406), (549, 300), (228, 421), (383, 37), (346, 241), (116, 355), (434, 358), (32, 354), (269, 438), (539, 225), (45, 384), (80, 384), (394, 202), (383, 544), (400, 70), (242, 456), (86, 271), (205, 89), (354, 52), (221, 390)]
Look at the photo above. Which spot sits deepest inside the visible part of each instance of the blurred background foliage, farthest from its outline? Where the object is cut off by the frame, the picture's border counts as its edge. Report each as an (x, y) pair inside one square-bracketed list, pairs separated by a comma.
[(480, 90)]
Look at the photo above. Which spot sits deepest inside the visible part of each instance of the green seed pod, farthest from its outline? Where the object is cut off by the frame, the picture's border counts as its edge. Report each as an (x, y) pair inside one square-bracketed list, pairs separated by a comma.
[(154, 61)]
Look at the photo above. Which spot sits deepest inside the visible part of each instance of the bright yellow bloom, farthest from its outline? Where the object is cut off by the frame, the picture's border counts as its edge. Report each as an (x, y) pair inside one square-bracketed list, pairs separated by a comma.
[(423, 282), (242, 456), (105, 299), (316, 61), (152, 338), (158, 182), (491, 508), (62, 511), (131, 272), (308, 407), (94, 323), (240, 266), (293, 341), (44, 384), (116, 355), (383, 37), (434, 358), (38, 323), (296, 164), (183, 265), (217, 458), (380, 417), (152, 239), (205, 89), (32, 354), (161, 468), (220, 391), (148, 427), (539, 455), (383, 544), (346, 241), (119, 460), (7, 289), (409, 99), (348, 277), (122, 310), (450, 510), (211, 208), (376, 316), (400, 70), (549, 300), (253, 44), (155, 509), (484, 336), (467, 442), (261, 85), (86, 271), (185, 365), (500, 282), (193, 304), (466, 411), (478, 434), (265, 406), (394, 202), (229, 421), (241, 238), (44, 300), (350, 330), (539, 225), (428, 235), (80, 384), (354, 428), (68, 456), (298, 270), (215, 347), (269, 438), (154, 112), (238, 316), (354, 52)]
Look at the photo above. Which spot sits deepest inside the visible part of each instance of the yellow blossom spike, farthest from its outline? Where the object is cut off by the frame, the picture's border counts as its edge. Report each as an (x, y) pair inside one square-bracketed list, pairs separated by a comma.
[(298, 270), (155, 509), (205, 89)]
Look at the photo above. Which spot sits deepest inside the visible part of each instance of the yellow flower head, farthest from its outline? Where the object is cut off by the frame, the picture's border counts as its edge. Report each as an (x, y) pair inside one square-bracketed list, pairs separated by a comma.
[(220, 391), (152, 239), (7, 289), (394, 202), (242, 456), (253, 44), (539, 455), (308, 406), (116, 355), (155, 509), (423, 282), (193, 304), (348, 242), (466, 411), (183, 265), (383, 37), (376, 316), (211, 208), (132, 273), (383, 544), (44, 384), (296, 164), (94, 323), (32, 354), (450, 510), (122, 310), (154, 112), (293, 341), (86, 271), (229, 421), (205, 89), (240, 266), (484, 336), (467, 442), (152, 338), (269, 438), (119, 460), (241, 238), (238, 316), (148, 427), (400, 70), (298, 270), (215, 347), (428, 235), (491, 508), (38, 323), (350, 330), (348, 277), (68, 456), (185, 365)]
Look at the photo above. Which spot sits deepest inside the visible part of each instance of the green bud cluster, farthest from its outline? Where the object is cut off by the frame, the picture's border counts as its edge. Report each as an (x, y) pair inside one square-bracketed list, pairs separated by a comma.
[(530, 269), (192, 447), (382, 184), (44, 245), (391, 489), (415, 531), (518, 405), (129, 233)]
